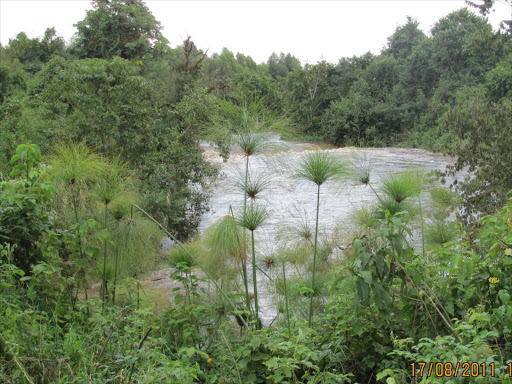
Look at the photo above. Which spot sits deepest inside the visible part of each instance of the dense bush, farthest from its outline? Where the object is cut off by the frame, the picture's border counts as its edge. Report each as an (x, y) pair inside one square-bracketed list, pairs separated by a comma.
[(385, 306), (124, 90)]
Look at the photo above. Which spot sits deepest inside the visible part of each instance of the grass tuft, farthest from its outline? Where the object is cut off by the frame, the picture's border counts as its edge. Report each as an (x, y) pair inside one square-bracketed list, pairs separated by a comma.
[(179, 255), (138, 246), (256, 184), (74, 163), (225, 238), (112, 181), (441, 232), (254, 217), (361, 168), (320, 166), (400, 186), (251, 143), (444, 198)]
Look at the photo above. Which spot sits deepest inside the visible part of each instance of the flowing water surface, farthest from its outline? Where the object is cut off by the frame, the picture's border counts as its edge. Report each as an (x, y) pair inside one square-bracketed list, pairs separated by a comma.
[(291, 202)]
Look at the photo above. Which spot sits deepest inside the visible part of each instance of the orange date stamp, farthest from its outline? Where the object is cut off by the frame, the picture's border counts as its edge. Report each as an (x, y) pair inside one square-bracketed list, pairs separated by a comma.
[(422, 369)]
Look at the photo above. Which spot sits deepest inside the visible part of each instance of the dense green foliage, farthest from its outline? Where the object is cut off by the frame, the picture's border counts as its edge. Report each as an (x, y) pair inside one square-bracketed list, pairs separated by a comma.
[(119, 118), (385, 307), (119, 106), (122, 88), (118, 28), (485, 132)]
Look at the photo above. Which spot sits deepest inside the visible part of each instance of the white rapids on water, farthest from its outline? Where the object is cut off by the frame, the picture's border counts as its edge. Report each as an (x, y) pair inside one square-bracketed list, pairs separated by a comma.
[(287, 200)]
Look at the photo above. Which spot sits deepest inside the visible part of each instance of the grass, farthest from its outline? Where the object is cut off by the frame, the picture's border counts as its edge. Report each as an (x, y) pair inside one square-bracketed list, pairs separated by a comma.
[(113, 180), (254, 186), (137, 241), (440, 232), (225, 250), (286, 299), (225, 238), (269, 261), (318, 167), (391, 205), (444, 199), (219, 266), (298, 231), (299, 292), (318, 289), (298, 255), (251, 143), (74, 168), (253, 218), (361, 168), (362, 216), (120, 207), (74, 163), (179, 255), (400, 186)]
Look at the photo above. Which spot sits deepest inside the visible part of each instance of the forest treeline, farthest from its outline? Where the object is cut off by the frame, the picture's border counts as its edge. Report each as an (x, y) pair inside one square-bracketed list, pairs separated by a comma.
[(119, 86)]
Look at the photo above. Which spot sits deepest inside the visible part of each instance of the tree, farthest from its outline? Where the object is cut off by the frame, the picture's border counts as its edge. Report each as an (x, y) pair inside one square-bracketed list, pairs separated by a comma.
[(24, 198), (499, 80), (381, 76), (189, 63), (347, 71), (246, 61), (124, 28), (33, 53), (224, 65), (485, 133), (280, 65), (418, 70), (117, 111), (465, 47), (310, 94), (51, 45), (485, 7), (103, 102), (349, 121), (405, 39), (4, 81)]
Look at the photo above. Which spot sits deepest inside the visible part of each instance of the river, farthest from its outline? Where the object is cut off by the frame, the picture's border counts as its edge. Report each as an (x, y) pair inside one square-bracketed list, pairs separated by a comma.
[(290, 202)]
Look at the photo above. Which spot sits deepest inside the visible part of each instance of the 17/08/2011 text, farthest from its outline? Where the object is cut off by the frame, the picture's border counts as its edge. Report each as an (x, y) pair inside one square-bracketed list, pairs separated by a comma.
[(421, 369)]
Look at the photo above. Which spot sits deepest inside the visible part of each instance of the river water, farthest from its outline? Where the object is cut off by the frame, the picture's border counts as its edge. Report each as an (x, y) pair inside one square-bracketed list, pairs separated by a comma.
[(291, 202)]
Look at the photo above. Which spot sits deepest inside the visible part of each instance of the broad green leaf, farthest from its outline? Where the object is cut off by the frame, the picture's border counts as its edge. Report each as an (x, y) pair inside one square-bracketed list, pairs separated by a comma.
[(367, 276)]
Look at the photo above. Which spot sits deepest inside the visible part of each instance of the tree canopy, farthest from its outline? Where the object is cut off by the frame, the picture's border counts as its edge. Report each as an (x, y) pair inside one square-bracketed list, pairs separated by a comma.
[(124, 28), (121, 87)]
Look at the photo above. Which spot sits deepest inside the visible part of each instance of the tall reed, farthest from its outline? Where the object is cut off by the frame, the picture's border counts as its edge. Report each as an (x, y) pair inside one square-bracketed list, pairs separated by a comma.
[(225, 240), (111, 183), (250, 142), (75, 167), (219, 288), (318, 167), (253, 218), (286, 300)]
